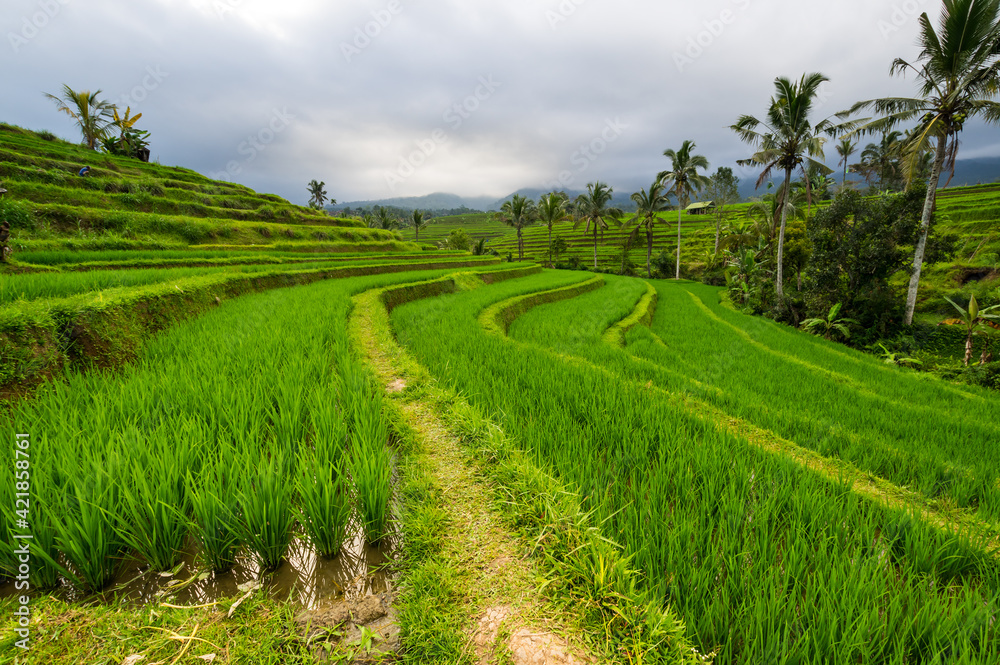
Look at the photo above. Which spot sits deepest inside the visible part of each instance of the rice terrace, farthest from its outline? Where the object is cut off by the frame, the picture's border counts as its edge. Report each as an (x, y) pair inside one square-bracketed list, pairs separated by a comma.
[(741, 415)]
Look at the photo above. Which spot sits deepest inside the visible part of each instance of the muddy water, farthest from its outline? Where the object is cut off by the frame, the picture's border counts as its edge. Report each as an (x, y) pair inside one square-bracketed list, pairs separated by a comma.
[(305, 579)]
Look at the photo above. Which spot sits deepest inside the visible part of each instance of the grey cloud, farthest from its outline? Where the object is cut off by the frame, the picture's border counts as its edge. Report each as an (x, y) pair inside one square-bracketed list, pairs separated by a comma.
[(368, 82)]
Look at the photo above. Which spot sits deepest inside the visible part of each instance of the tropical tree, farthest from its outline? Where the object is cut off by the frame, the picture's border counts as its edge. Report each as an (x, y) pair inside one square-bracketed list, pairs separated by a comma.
[(384, 219), (552, 209), (92, 115), (957, 72), (723, 189), (131, 141), (788, 141), (684, 175), (649, 204), (845, 148), (317, 195), (419, 223), (975, 319), (518, 213), (882, 159), (594, 208)]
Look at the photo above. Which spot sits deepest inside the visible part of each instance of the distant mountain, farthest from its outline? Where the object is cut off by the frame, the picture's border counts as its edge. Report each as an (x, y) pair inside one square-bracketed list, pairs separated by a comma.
[(967, 172), (437, 201)]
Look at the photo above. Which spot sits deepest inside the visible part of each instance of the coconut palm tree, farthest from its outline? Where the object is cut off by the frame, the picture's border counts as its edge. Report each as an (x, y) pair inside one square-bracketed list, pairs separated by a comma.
[(518, 213), (317, 195), (957, 71), (788, 141), (419, 223), (684, 175), (845, 149), (92, 115), (594, 209), (552, 209), (882, 159), (384, 219), (650, 203)]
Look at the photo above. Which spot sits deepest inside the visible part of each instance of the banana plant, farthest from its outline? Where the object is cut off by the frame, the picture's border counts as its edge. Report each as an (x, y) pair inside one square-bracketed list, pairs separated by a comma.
[(830, 325), (976, 321)]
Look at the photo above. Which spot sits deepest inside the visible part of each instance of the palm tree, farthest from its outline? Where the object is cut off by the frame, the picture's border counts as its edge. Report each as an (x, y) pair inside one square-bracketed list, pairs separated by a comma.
[(684, 174), (419, 223), (957, 70), (317, 195), (845, 149), (384, 219), (593, 208), (552, 209), (92, 115), (650, 203), (518, 213), (788, 141), (882, 158)]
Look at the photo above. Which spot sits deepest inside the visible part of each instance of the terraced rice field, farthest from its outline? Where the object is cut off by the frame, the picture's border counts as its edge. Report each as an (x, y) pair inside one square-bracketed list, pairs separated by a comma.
[(691, 445)]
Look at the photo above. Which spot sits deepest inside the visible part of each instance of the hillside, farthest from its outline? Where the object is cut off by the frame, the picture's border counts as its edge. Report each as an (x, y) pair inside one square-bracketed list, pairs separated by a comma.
[(124, 203)]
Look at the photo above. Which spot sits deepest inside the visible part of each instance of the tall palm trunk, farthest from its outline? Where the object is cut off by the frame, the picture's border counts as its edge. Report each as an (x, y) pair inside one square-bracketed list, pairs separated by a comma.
[(779, 285), (649, 250), (680, 210), (550, 246), (595, 245), (925, 227), (520, 245)]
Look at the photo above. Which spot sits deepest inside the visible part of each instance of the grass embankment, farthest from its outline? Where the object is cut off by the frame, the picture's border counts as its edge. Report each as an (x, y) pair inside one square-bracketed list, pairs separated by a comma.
[(707, 514), (106, 328)]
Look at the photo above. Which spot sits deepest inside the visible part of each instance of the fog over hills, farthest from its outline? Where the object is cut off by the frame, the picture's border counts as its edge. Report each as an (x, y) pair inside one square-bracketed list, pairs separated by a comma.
[(967, 172)]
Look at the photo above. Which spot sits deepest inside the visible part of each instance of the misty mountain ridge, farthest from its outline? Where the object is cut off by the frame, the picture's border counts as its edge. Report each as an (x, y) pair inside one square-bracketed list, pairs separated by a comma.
[(967, 172)]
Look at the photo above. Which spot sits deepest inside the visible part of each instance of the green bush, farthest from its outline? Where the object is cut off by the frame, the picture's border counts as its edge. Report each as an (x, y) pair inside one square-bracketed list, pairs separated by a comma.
[(15, 213)]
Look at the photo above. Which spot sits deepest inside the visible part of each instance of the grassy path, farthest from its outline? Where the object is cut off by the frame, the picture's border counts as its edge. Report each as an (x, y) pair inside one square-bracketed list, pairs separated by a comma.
[(497, 607)]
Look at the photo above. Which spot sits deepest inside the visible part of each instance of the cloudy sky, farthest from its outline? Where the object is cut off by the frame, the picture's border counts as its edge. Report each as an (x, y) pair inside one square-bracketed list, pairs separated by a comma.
[(383, 98)]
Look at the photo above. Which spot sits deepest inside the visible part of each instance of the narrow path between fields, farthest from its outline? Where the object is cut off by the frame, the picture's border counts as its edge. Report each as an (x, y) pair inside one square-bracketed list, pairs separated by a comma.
[(508, 618)]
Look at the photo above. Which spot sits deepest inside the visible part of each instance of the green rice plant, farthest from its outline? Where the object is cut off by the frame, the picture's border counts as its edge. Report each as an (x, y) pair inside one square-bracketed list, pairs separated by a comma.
[(85, 534), (266, 515), (152, 507), (324, 506), (214, 516), (370, 464), (8, 564)]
